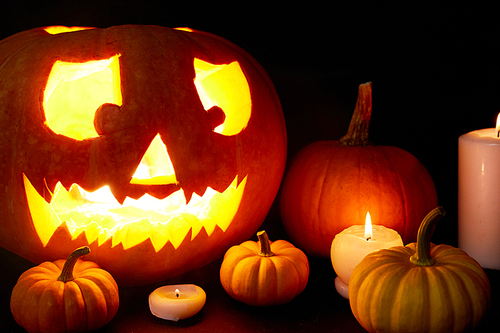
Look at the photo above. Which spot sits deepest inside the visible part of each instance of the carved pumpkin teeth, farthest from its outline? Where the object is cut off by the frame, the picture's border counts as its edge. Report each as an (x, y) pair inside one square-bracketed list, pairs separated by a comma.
[(81, 108), (136, 191), (50, 187), (120, 198), (99, 216)]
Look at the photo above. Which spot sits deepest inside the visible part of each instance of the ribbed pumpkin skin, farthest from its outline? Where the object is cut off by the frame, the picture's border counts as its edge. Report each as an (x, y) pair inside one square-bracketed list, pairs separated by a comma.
[(86, 303), (159, 96), (330, 187), (263, 281), (388, 293)]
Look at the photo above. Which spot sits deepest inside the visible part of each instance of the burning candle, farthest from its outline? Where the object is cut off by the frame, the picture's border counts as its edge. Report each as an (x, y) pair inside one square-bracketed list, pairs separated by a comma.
[(351, 245), (479, 195), (176, 302)]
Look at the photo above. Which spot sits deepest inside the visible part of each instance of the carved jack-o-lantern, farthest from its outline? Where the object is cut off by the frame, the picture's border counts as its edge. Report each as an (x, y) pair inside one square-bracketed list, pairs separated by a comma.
[(158, 148)]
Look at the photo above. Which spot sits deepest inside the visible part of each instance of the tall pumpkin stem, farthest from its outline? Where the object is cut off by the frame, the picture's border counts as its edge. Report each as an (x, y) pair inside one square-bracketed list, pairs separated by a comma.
[(357, 134), (265, 245), (67, 271), (422, 256)]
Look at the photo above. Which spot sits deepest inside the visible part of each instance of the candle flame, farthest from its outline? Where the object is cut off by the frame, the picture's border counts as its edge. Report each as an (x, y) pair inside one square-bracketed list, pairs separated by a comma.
[(497, 129), (368, 227), (177, 293)]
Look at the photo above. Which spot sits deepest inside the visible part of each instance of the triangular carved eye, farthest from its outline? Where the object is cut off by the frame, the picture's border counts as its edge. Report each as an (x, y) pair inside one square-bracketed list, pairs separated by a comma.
[(74, 91), (224, 86)]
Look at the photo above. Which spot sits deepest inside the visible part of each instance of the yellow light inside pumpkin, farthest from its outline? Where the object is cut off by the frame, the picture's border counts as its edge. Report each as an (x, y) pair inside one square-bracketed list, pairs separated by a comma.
[(184, 29), (162, 221), (70, 101), (59, 29), (156, 167), (100, 216), (224, 86), (74, 91)]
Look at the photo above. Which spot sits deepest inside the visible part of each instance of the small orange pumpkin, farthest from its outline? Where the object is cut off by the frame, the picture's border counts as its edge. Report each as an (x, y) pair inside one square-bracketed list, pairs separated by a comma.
[(331, 185), (264, 273), (420, 287), (65, 296)]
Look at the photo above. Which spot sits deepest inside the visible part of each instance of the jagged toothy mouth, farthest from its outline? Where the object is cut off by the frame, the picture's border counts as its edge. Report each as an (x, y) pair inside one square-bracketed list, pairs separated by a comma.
[(99, 216), (139, 215)]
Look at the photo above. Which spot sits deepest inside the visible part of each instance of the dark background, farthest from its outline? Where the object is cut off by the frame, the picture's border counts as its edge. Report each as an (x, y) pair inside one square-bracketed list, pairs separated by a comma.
[(435, 71)]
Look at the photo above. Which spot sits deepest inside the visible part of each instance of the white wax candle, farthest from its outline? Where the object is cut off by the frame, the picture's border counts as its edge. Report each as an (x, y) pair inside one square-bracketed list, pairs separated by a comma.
[(176, 302), (479, 196), (350, 246)]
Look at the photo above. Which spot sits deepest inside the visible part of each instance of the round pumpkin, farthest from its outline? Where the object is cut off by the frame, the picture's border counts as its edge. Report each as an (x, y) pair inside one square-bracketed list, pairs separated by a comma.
[(70, 295), (420, 287), (331, 185), (264, 273), (158, 148)]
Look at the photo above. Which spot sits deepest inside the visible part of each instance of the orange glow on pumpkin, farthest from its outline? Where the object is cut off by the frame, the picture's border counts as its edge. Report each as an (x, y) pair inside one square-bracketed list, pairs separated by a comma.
[(82, 88)]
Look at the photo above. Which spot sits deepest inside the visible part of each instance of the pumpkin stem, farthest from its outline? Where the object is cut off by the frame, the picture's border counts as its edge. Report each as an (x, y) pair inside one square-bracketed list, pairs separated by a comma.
[(67, 271), (357, 134), (422, 256), (265, 246)]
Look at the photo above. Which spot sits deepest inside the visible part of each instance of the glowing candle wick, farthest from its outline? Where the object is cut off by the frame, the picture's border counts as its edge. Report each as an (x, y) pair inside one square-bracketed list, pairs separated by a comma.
[(368, 228), (170, 303)]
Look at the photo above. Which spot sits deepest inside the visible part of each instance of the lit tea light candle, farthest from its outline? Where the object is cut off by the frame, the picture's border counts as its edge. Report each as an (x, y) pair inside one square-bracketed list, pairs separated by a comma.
[(479, 195), (351, 245), (176, 302)]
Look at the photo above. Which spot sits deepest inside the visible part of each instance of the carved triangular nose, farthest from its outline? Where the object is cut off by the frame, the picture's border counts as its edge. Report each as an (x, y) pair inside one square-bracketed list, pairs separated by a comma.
[(155, 168)]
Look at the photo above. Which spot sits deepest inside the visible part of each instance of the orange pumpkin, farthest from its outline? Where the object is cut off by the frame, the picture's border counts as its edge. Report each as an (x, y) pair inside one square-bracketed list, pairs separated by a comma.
[(264, 273), (65, 296), (331, 185), (158, 148)]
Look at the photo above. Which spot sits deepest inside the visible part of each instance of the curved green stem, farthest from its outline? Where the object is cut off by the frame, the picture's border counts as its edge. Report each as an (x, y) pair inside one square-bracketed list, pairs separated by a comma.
[(265, 246), (67, 271), (422, 256)]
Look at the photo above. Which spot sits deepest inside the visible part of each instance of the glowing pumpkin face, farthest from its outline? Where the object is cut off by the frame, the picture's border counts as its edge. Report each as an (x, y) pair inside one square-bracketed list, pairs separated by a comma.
[(158, 148)]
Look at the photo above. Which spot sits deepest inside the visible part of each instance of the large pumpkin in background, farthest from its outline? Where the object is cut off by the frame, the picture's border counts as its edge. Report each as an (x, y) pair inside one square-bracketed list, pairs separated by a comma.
[(331, 185), (158, 148)]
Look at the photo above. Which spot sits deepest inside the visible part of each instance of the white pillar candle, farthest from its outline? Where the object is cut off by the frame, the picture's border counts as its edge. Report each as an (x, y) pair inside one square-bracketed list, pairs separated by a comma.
[(479, 196), (176, 302), (351, 245)]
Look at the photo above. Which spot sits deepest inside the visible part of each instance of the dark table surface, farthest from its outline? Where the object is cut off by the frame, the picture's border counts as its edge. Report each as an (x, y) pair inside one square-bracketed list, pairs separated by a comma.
[(318, 309), (435, 73)]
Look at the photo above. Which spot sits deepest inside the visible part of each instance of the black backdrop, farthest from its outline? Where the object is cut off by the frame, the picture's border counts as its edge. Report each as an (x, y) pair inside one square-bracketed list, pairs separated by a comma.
[(435, 68)]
